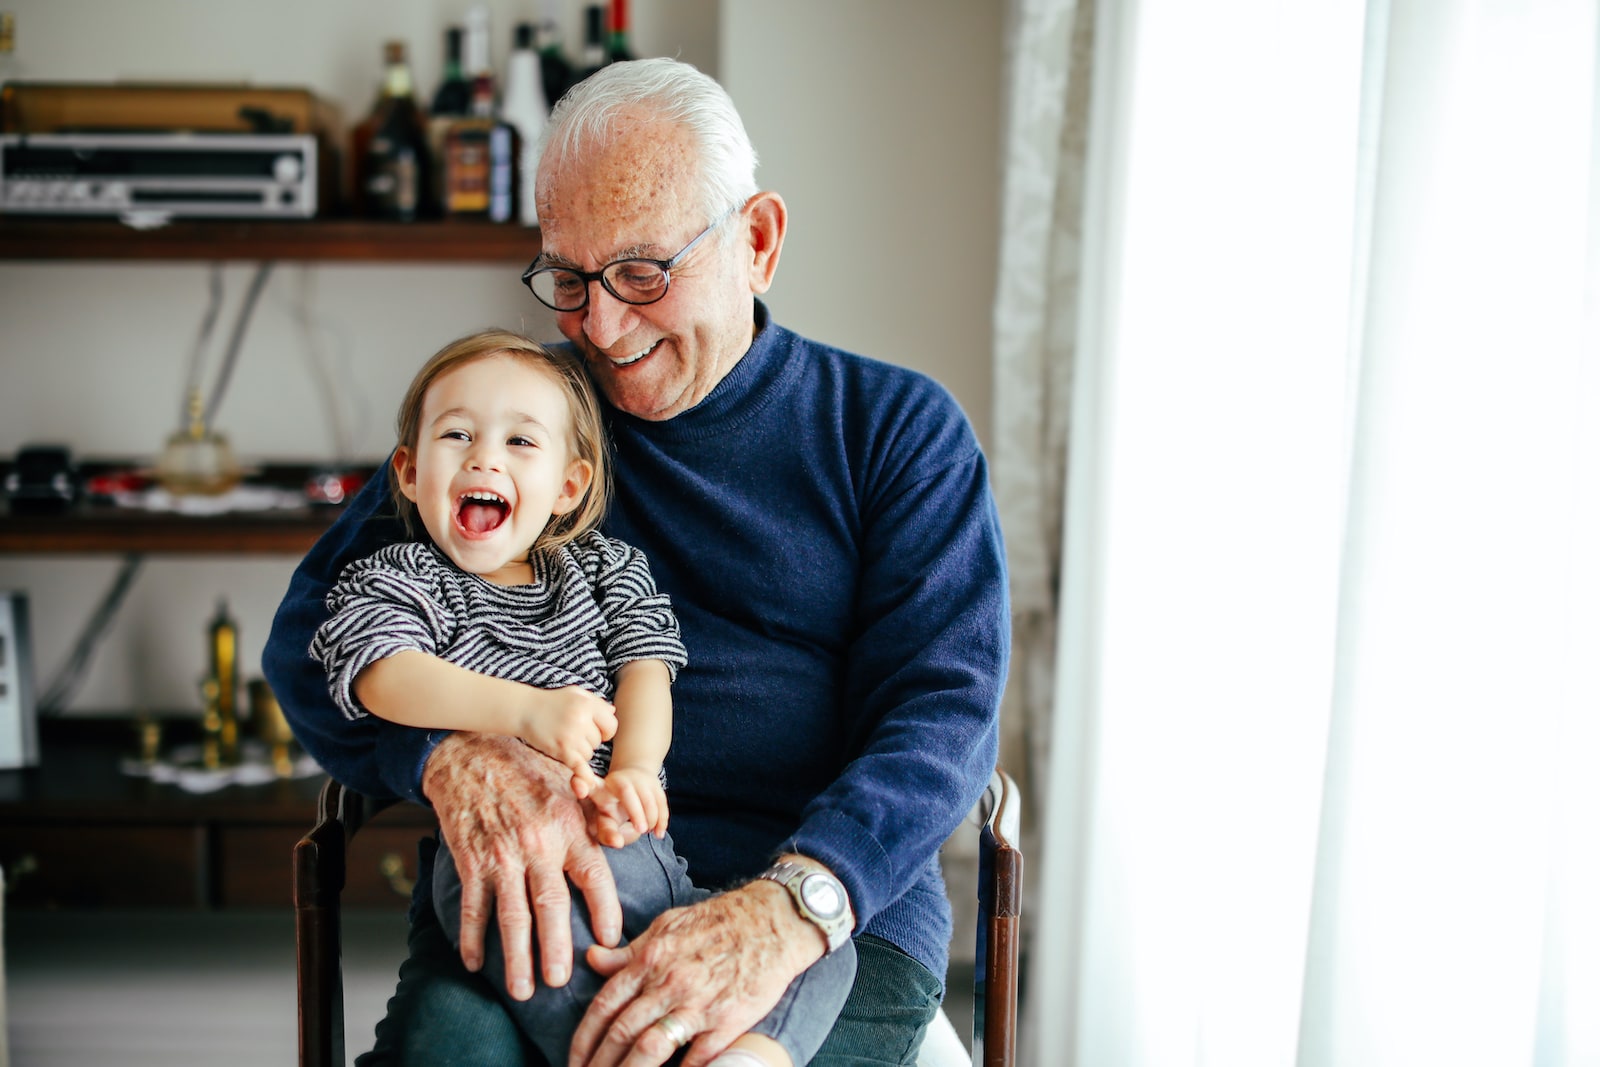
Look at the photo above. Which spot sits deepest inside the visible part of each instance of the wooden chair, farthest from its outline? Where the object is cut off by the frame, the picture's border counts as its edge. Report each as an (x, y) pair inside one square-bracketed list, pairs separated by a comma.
[(319, 875)]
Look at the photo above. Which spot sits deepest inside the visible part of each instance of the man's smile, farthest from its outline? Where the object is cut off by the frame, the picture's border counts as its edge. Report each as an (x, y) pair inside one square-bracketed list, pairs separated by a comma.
[(628, 361)]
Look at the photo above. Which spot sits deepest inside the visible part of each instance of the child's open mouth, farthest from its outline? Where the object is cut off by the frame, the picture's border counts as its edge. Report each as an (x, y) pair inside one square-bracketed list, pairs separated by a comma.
[(480, 512)]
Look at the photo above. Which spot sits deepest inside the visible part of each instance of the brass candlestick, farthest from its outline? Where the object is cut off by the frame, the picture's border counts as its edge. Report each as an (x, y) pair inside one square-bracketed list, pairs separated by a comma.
[(211, 723), (270, 724)]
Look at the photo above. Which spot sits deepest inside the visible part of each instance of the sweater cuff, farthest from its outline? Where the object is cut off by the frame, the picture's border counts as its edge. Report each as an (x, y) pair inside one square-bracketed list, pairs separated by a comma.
[(403, 751), (850, 851)]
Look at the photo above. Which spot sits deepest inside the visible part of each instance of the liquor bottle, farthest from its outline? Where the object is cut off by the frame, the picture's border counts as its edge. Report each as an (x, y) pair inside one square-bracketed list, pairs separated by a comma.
[(481, 160), (595, 55), (555, 71), (452, 101), (393, 165), (454, 95), (524, 107), (618, 48)]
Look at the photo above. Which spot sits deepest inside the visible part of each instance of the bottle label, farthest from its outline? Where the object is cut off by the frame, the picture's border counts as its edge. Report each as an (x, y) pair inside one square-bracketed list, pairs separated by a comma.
[(502, 174), (466, 172), (392, 183)]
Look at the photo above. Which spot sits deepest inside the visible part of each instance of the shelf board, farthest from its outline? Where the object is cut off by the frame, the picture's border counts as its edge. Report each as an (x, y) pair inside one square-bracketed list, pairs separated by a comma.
[(308, 240), (120, 530)]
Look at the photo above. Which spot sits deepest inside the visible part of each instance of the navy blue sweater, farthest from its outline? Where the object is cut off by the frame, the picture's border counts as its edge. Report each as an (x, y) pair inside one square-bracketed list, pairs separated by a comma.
[(824, 527)]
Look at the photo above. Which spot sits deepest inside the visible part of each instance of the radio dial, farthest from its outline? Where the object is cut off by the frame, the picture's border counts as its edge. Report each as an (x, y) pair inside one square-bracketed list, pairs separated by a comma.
[(286, 169)]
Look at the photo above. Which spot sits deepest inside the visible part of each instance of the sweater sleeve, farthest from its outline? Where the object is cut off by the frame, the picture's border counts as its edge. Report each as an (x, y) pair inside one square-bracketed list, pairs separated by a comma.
[(926, 665), (382, 605), (378, 758), (640, 623)]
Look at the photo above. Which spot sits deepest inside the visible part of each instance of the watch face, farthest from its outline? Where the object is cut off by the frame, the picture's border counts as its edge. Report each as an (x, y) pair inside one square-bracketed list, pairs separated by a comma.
[(822, 896)]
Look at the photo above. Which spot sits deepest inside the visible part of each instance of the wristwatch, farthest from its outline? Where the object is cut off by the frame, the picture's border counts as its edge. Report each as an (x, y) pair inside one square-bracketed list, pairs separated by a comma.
[(818, 896)]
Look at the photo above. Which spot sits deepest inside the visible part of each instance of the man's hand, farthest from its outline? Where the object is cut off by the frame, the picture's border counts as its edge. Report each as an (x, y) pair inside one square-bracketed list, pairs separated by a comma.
[(509, 816), (717, 967)]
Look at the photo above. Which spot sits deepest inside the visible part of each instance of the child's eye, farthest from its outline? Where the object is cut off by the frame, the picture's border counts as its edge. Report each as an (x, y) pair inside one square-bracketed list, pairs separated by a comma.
[(518, 439), (456, 435)]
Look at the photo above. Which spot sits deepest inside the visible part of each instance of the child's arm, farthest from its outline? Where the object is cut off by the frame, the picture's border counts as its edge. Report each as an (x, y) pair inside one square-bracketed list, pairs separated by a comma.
[(632, 787), (415, 688)]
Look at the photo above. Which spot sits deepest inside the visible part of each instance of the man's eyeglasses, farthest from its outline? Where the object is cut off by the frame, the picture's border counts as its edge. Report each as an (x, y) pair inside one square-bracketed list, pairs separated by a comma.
[(632, 281)]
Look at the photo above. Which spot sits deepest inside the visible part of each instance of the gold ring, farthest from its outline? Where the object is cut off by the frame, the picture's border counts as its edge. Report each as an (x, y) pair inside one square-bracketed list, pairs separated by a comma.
[(676, 1032)]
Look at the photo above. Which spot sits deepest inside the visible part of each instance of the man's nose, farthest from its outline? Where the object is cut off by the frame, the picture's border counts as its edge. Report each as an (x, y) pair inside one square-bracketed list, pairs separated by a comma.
[(605, 318)]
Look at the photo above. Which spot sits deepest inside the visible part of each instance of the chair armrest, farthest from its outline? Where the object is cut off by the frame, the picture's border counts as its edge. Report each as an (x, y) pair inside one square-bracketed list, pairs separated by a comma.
[(994, 1017)]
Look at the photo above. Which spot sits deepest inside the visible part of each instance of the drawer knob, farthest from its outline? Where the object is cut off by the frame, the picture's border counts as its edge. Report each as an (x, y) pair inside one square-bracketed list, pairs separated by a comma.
[(393, 869), (25, 864)]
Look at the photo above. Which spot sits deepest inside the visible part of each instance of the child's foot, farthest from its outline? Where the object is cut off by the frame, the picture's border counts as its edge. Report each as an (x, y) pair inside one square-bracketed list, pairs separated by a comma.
[(738, 1057)]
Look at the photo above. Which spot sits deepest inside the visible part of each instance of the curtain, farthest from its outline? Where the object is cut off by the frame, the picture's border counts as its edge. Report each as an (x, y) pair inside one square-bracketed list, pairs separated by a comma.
[(1035, 328), (1321, 784)]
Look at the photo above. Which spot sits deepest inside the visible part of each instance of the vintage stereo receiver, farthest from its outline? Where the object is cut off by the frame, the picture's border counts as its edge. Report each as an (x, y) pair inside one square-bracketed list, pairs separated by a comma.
[(180, 175)]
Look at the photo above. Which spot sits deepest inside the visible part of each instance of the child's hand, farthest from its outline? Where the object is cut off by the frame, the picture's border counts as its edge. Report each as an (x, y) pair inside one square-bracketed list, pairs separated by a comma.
[(628, 802), (568, 724)]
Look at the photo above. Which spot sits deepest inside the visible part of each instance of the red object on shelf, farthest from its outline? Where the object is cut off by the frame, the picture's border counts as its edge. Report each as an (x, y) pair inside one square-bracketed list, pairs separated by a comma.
[(333, 487), (112, 482)]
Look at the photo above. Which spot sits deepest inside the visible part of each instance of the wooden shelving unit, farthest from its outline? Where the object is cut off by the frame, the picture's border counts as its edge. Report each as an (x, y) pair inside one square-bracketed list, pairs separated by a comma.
[(310, 240), (115, 530)]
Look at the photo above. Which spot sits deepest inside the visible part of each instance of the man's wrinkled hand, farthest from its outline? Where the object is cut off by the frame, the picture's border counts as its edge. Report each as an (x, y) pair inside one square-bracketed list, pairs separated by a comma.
[(717, 967), (518, 834)]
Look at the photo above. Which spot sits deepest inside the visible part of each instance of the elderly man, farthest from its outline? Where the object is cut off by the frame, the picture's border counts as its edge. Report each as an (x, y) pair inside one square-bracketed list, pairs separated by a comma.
[(824, 527)]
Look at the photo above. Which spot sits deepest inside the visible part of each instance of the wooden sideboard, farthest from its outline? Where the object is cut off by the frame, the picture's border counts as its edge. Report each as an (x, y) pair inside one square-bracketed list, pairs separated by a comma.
[(77, 832)]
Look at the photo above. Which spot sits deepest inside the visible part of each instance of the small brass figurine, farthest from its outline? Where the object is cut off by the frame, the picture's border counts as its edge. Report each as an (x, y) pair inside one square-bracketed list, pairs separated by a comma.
[(149, 740), (225, 673)]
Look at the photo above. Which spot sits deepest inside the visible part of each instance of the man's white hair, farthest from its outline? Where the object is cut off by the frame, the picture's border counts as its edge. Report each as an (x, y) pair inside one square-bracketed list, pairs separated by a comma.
[(671, 90)]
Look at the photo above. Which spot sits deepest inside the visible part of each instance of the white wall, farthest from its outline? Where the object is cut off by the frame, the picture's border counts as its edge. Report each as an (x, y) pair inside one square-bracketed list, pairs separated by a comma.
[(877, 121)]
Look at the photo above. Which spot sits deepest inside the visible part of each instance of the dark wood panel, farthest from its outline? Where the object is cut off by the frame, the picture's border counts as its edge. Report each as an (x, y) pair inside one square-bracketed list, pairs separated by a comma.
[(95, 866), (256, 869), (349, 240)]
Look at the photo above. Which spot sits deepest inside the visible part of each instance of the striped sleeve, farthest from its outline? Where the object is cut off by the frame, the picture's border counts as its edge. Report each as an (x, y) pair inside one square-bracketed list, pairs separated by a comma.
[(640, 623), (381, 605)]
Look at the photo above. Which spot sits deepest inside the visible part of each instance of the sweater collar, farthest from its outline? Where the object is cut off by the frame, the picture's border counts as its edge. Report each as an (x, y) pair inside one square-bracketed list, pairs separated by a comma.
[(743, 392)]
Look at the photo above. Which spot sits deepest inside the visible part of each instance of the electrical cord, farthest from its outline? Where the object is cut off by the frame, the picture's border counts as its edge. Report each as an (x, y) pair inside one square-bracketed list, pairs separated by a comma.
[(72, 673), (231, 356), (201, 341)]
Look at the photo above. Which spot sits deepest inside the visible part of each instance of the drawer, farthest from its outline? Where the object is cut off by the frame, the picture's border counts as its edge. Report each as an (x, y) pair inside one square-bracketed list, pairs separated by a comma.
[(257, 866), (73, 866)]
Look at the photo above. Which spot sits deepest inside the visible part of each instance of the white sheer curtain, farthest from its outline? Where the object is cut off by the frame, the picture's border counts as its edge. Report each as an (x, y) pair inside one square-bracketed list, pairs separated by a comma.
[(1323, 783)]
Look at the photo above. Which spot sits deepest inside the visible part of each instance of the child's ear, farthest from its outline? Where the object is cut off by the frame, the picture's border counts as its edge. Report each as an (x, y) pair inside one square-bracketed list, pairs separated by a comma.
[(580, 473), (405, 470)]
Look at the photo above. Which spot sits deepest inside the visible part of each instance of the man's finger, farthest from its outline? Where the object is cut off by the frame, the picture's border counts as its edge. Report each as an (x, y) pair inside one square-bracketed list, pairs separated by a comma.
[(552, 914), (516, 933), (474, 918), (603, 1010), (592, 876)]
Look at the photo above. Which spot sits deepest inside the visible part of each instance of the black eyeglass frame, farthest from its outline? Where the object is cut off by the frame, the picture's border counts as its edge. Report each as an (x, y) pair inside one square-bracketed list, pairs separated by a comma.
[(666, 266)]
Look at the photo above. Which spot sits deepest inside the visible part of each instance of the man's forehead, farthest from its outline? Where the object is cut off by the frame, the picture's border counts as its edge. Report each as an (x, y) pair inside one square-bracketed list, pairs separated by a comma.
[(619, 198)]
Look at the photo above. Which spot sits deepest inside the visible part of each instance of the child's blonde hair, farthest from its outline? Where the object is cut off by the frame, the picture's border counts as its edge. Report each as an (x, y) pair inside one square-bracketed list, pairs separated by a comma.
[(588, 431)]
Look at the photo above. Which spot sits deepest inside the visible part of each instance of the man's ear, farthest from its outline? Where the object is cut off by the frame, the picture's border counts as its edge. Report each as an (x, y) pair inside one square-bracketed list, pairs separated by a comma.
[(768, 221), (580, 472), (405, 470)]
